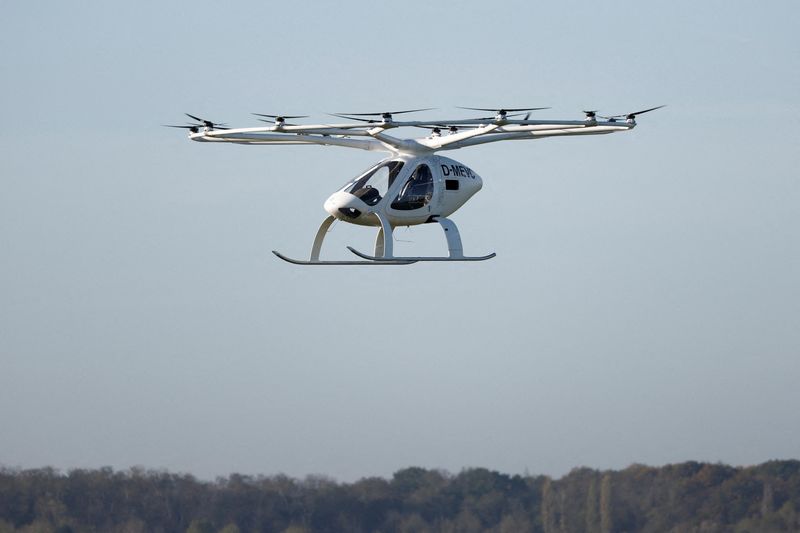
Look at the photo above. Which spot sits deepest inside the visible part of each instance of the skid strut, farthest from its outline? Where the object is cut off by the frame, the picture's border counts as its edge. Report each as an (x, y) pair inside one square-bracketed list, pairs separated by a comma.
[(383, 254), (454, 248), (381, 246)]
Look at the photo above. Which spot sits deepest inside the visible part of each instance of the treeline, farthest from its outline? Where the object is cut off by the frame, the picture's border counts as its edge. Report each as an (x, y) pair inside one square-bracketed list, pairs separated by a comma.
[(686, 497)]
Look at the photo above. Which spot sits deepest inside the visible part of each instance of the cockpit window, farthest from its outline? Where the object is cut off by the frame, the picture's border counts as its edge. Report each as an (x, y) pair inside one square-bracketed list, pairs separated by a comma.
[(417, 191), (372, 186)]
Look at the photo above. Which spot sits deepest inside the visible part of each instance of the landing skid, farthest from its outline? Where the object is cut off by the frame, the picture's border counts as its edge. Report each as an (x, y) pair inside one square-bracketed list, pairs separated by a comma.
[(418, 259), (454, 248), (382, 261), (384, 246)]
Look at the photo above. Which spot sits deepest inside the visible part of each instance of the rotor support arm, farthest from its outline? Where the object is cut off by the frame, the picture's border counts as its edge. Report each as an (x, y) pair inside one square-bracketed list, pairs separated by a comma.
[(265, 138), (442, 143), (535, 134), (396, 145)]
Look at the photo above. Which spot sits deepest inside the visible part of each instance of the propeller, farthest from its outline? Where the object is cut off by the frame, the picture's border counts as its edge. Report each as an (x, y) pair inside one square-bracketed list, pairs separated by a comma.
[(504, 113), (384, 115), (590, 113), (279, 120), (190, 127), (207, 123), (632, 116), (367, 120), (503, 110)]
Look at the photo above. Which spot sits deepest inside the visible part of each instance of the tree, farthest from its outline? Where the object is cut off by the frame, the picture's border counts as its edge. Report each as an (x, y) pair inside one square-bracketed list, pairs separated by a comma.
[(131, 526), (295, 529), (606, 521), (38, 526), (548, 510), (767, 499), (592, 512), (699, 497), (200, 526), (515, 522)]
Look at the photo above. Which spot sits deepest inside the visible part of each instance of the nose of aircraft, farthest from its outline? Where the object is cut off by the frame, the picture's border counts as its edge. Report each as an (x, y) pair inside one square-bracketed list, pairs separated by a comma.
[(345, 206)]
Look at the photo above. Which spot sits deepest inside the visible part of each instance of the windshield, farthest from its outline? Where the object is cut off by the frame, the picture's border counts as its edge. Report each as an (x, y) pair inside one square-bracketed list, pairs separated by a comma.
[(372, 186), (417, 191)]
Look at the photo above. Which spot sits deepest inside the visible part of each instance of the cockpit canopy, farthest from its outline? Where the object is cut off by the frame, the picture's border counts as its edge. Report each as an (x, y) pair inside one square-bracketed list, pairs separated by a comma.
[(373, 185), (417, 191), (406, 190)]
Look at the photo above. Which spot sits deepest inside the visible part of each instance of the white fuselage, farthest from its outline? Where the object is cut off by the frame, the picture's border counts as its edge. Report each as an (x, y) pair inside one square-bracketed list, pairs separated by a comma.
[(405, 189)]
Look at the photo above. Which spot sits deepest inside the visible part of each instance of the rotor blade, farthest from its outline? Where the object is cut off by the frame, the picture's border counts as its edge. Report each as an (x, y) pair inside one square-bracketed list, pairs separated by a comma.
[(492, 119), (187, 127), (370, 121), (280, 116), (496, 110), (410, 111), (204, 122), (275, 123), (626, 115), (648, 110), (357, 114), (383, 113)]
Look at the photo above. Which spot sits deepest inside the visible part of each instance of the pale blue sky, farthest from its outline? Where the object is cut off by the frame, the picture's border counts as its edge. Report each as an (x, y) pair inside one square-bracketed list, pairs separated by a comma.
[(643, 306)]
